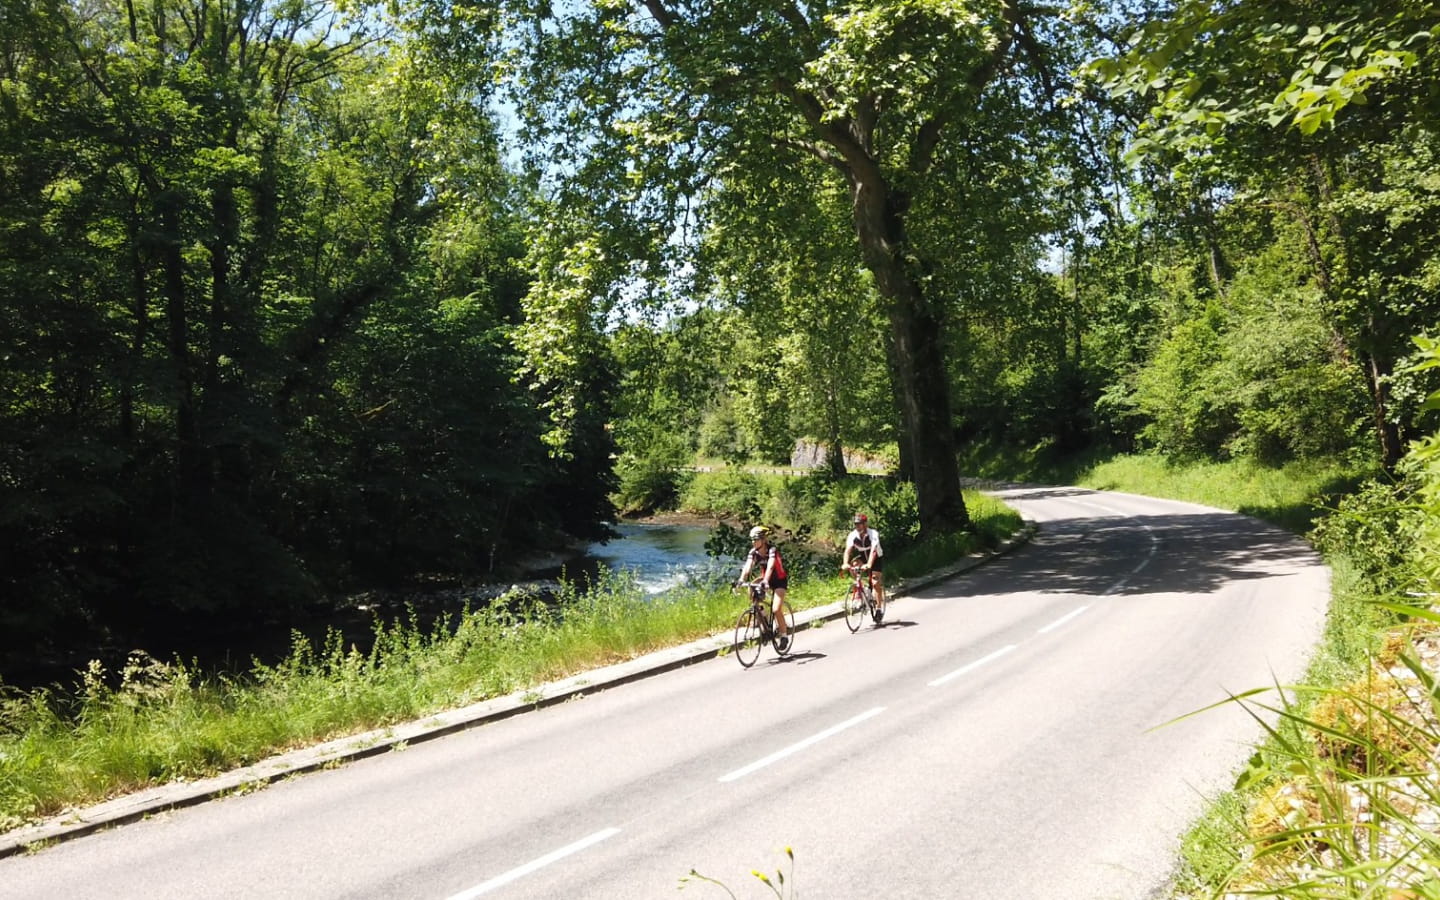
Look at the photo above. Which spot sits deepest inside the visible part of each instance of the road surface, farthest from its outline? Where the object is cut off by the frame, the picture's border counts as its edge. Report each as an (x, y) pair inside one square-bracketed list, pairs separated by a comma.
[(1004, 735)]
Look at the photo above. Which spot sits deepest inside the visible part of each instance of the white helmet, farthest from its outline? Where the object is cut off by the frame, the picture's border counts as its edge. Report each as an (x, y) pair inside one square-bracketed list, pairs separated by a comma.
[(758, 532)]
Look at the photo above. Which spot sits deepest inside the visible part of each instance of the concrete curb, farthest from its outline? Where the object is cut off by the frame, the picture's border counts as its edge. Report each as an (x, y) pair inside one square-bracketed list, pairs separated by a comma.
[(176, 795)]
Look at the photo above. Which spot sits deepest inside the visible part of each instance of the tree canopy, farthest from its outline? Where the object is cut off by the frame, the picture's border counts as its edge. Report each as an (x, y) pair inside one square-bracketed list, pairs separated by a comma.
[(673, 120)]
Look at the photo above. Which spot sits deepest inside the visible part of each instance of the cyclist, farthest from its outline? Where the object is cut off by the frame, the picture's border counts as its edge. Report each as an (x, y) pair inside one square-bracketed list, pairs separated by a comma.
[(766, 554), (864, 544)]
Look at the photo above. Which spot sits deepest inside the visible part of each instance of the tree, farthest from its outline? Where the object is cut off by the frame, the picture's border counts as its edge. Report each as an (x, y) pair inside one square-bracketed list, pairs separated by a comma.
[(260, 282), (1316, 113), (812, 311), (639, 111)]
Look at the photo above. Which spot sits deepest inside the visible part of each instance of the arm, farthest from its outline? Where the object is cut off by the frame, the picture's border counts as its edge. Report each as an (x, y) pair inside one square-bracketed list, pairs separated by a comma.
[(874, 547)]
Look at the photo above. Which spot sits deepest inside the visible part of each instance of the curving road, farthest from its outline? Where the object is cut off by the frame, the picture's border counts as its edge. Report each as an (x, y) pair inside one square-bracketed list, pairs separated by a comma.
[(1000, 737)]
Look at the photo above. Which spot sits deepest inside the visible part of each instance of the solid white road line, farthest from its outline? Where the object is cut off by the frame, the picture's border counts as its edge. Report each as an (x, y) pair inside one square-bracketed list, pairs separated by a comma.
[(535, 865), (796, 748), (1062, 620), (974, 665)]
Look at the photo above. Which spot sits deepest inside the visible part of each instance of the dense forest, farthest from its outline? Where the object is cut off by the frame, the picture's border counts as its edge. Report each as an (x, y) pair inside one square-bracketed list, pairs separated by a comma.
[(303, 297)]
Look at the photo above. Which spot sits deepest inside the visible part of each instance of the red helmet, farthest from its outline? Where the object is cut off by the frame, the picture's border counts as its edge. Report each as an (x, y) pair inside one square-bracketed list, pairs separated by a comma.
[(860, 519)]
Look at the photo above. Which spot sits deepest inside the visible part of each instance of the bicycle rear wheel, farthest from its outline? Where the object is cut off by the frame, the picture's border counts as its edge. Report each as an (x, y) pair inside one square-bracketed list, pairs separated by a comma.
[(789, 642), (854, 609), (876, 612), (747, 638)]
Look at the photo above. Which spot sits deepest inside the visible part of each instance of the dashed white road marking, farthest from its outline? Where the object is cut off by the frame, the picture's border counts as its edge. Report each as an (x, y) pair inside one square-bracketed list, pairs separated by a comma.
[(535, 865), (1062, 620), (797, 747), (974, 665)]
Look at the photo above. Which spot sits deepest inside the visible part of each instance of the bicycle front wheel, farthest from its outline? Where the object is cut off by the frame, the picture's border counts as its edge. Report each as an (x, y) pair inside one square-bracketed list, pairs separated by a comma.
[(747, 638), (789, 643), (854, 609)]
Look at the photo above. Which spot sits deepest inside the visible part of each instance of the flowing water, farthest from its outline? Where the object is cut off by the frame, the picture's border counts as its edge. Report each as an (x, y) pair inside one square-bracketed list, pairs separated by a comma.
[(660, 556)]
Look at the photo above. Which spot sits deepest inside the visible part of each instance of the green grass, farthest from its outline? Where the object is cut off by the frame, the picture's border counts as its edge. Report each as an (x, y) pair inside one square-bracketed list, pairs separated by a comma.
[(156, 722), (1331, 804), (992, 523), (1338, 799), (1291, 496), (1214, 847)]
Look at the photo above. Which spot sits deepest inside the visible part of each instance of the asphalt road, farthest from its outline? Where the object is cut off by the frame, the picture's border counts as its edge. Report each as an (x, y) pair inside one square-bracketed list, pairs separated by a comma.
[(1011, 733)]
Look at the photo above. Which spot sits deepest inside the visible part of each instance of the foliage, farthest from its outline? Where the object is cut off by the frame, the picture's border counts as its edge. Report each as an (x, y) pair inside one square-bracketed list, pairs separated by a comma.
[(726, 494), (1252, 374), (1210, 67), (1341, 799), (653, 474), (1387, 529), (695, 137), (259, 301), (1313, 115)]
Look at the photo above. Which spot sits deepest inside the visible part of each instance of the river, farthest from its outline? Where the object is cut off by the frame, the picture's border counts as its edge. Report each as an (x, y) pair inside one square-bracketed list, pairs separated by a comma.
[(660, 556)]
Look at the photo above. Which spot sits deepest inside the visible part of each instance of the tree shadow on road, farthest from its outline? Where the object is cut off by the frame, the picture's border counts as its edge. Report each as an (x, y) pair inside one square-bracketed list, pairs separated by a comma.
[(1118, 555)]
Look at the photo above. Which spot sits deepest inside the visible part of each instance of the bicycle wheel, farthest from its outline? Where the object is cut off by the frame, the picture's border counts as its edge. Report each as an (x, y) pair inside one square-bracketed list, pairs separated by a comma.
[(876, 612), (747, 638), (854, 609), (789, 642)]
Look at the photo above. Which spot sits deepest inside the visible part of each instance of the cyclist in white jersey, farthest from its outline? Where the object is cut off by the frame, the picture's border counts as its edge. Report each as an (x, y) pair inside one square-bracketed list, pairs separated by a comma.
[(864, 545)]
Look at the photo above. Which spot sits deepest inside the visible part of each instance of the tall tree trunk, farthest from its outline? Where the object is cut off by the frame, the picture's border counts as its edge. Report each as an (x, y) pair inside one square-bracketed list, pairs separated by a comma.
[(189, 484), (224, 228), (1387, 433), (140, 334), (834, 447), (918, 356), (905, 465)]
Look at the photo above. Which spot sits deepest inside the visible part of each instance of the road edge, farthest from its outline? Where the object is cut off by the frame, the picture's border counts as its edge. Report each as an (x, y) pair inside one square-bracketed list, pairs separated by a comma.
[(158, 800)]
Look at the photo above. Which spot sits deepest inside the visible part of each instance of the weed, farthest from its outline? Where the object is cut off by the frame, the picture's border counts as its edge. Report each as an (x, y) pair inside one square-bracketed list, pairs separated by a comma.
[(778, 884)]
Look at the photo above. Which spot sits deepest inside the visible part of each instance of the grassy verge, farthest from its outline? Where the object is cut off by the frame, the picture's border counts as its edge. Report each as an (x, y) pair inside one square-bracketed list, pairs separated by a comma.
[(1290, 496), (1342, 798), (155, 721)]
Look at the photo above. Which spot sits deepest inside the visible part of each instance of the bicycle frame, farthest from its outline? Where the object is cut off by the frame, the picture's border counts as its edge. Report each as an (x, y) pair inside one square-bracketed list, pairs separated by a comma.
[(760, 599), (747, 641), (859, 599)]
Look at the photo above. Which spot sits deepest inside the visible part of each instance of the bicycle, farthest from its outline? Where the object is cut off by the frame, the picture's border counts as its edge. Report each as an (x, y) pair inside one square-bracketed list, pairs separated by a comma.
[(754, 629), (860, 600)]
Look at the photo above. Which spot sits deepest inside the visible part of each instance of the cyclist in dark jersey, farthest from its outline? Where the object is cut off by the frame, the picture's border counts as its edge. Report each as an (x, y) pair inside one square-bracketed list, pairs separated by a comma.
[(864, 544), (767, 556)]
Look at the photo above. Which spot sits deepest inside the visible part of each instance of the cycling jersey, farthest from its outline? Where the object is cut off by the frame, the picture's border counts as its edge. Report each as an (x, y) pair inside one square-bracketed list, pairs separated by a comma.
[(863, 543), (757, 558)]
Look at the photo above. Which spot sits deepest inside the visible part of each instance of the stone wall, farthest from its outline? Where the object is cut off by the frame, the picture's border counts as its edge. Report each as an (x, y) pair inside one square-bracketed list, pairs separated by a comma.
[(809, 455)]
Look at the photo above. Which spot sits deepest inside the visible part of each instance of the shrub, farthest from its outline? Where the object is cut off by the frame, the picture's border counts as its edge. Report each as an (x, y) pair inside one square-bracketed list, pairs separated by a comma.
[(652, 473)]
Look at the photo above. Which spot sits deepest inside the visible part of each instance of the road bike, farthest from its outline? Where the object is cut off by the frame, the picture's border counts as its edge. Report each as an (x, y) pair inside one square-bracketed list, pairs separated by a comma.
[(860, 600), (754, 629)]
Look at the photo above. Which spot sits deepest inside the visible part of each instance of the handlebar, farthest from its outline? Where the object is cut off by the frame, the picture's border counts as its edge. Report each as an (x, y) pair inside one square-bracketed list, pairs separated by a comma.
[(756, 590)]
